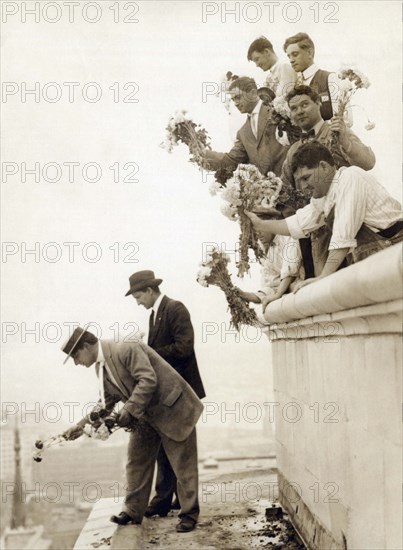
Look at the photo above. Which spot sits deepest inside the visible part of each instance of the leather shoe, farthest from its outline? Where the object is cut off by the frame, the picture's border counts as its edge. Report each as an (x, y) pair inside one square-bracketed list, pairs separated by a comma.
[(123, 519), (175, 505), (155, 511), (185, 525)]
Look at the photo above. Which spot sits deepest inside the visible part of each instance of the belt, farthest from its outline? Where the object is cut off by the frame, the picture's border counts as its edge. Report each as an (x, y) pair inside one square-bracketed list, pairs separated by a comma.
[(391, 231)]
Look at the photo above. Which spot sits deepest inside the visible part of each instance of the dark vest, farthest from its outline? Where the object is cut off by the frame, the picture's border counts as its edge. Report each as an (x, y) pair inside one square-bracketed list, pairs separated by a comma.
[(320, 83)]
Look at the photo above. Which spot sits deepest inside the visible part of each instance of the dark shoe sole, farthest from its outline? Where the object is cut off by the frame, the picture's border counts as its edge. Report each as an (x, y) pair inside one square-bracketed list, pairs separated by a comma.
[(180, 528), (152, 514), (121, 521)]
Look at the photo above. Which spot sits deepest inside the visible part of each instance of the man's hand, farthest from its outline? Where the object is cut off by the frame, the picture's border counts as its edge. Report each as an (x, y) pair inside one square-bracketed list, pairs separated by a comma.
[(265, 228), (248, 296), (307, 282), (338, 126), (124, 418), (73, 433), (258, 223)]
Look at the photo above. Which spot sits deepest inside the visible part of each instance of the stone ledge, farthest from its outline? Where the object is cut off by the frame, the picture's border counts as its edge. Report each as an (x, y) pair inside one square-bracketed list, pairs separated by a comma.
[(375, 280), (374, 319)]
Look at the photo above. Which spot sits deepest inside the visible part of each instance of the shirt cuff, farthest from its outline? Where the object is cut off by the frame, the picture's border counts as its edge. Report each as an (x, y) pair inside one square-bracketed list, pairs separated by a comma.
[(294, 227), (336, 244)]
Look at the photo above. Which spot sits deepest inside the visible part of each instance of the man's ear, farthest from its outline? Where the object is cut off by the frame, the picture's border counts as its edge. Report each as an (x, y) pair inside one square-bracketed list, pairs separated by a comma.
[(323, 164)]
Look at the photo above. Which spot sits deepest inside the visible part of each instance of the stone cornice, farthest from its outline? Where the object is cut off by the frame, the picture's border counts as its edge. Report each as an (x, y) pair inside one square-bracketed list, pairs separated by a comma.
[(354, 297)]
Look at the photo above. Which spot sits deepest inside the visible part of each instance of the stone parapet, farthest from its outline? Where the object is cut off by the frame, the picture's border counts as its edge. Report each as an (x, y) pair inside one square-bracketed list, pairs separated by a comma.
[(337, 382)]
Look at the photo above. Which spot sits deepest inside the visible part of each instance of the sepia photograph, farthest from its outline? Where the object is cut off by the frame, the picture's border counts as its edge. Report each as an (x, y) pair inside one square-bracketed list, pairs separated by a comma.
[(201, 299)]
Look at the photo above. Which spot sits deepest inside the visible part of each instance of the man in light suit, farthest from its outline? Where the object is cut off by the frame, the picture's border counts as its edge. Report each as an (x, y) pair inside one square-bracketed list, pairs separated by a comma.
[(171, 335), (256, 141), (160, 405)]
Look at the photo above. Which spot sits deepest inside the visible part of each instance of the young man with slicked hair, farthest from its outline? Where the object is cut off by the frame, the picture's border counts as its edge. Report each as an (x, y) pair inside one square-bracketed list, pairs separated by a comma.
[(280, 77)]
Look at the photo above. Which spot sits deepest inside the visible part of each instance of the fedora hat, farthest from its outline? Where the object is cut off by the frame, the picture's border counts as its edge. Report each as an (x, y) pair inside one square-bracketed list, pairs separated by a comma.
[(141, 280), (70, 345)]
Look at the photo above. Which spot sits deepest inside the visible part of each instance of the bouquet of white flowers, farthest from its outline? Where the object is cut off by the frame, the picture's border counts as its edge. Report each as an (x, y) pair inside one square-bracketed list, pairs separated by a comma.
[(101, 425), (280, 113), (182, 129), (248, 190), (214, 271)]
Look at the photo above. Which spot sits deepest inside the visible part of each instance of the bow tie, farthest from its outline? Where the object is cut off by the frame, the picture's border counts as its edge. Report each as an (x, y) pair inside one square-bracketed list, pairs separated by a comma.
[(307, 135)]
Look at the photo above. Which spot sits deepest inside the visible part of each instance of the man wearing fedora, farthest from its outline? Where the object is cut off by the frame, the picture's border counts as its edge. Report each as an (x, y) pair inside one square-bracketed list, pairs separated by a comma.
[(161, 408), (171, 335)]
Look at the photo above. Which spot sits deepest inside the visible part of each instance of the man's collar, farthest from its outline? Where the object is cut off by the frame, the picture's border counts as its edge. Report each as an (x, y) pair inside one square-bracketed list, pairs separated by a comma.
[(310, 71), (274, 66), (100, 357), (157, 304), (256, 110), (314, 131), (318, 126), (334, 181)]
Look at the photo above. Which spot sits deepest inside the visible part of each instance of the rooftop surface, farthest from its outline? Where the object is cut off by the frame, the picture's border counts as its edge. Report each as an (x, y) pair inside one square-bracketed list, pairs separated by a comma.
[(233, 507)]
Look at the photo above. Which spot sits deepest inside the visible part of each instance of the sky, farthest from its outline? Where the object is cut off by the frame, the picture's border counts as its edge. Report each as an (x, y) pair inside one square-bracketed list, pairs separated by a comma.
[(90, 236)]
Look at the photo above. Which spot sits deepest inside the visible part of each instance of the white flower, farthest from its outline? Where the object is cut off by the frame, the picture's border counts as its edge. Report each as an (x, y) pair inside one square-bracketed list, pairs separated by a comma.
[(370, 125), (203, 274), (214, 188), (229, 211), (283, 140), (280, 105)]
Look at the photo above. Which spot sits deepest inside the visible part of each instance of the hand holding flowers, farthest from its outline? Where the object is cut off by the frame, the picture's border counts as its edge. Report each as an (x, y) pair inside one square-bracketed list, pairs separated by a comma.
[(214, 271)]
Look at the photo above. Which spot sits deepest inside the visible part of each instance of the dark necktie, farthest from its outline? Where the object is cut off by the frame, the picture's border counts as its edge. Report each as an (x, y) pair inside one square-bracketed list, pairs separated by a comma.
[(152, 320), (305, 136)]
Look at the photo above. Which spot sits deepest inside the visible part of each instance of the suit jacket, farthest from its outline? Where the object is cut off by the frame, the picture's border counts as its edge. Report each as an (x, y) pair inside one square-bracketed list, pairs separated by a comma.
[(172, 337), (150, 389), (265, 152)]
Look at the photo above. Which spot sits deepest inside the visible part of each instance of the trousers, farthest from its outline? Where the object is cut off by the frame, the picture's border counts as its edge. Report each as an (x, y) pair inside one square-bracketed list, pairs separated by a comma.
[(165, 485), (143, 447)]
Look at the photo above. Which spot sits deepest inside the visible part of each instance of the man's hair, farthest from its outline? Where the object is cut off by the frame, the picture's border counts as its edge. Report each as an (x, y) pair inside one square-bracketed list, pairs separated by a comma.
[(154, 288), (302, 39), (259, 45), (244, 83), (303, 90), (310, 154), (86, 338)]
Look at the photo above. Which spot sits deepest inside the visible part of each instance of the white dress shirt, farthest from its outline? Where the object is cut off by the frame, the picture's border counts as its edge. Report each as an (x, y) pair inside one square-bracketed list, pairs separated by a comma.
[(281, 78), (283, 259), (254, 117), (156, 306), (103, 365)]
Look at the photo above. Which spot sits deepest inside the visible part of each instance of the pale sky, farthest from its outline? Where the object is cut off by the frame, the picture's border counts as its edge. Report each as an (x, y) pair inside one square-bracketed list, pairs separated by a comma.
[(168, 214)]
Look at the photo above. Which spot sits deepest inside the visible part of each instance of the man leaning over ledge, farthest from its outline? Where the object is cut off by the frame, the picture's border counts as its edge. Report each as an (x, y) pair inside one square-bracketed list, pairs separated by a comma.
[(363, 217), (256, 141), (161, 408), (347, 150)]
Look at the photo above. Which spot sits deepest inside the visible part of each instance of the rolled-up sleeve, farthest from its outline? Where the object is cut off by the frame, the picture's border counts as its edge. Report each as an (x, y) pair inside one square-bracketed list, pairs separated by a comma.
[(350, 208), (291, 259), (304, 221)]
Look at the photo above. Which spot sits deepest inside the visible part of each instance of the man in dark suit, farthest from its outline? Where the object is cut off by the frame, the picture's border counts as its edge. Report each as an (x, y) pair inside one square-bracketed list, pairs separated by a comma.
[(256, 141), (171, 336), (161, 408)]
